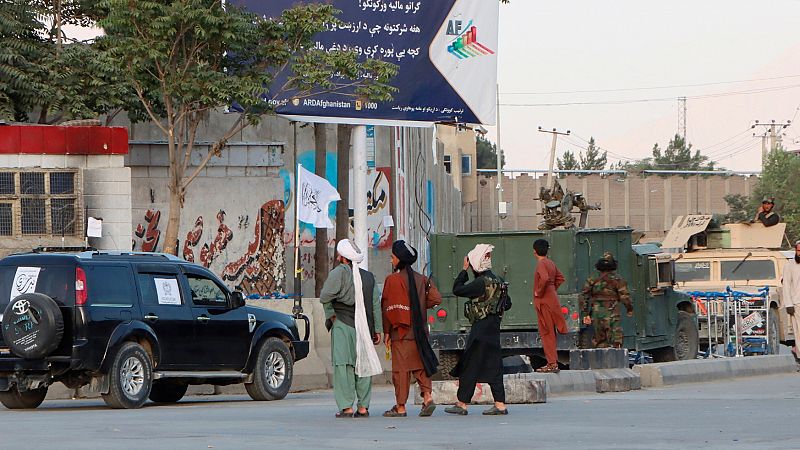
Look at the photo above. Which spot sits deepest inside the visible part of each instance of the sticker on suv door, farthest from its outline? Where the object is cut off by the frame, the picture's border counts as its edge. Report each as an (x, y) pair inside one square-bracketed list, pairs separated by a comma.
[(24, 281), (167, 291)]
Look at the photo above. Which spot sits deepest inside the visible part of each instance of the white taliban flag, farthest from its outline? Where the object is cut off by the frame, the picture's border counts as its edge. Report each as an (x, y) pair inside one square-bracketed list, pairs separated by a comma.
[(314, 195)]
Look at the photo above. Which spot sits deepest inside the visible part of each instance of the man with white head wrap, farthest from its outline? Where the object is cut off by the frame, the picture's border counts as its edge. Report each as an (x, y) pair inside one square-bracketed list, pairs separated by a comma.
[(353, 316), (482, 359)]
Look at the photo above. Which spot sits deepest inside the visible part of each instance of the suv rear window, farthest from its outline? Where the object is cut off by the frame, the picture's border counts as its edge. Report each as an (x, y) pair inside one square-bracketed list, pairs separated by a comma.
[(57, 282), (692, 271), (748, 270)]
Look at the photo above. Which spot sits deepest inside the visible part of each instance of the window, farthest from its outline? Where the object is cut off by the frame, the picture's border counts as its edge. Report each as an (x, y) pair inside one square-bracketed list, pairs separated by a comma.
[(466, 164), (147, 286), (448, 164), (748, 270), (692, 271), (43, 203), (110, 286), (205, 292), (56, 282)]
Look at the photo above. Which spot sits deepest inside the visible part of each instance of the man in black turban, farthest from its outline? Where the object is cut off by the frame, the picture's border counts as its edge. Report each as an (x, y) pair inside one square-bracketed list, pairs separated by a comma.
[(406, 297)]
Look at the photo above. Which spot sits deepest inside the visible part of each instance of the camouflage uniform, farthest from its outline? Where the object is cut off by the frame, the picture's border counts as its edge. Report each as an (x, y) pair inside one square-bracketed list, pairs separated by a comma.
[(601, 300)]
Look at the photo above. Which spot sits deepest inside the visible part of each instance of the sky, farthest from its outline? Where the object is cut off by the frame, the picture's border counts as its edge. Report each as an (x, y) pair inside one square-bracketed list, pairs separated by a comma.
[(623, 45)]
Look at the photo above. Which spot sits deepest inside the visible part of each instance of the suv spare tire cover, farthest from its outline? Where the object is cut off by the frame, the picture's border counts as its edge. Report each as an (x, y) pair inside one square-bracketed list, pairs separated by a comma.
[(32, 326)]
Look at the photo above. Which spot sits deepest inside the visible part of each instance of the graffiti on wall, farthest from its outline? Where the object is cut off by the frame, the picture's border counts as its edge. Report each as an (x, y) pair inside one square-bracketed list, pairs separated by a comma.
[(380, 236), (262, 269), (149, 236), (209, 251)]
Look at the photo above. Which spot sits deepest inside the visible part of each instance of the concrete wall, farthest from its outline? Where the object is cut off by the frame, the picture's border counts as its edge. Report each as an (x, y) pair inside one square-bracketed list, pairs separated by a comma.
[(104, 187), (457, 143), (646, 203)]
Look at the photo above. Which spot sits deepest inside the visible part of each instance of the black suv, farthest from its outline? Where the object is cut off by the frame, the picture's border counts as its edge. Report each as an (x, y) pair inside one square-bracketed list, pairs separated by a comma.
[(135, 326)]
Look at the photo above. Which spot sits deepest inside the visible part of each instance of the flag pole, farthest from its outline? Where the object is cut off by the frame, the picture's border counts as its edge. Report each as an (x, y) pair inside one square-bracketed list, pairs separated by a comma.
[(298, 271)]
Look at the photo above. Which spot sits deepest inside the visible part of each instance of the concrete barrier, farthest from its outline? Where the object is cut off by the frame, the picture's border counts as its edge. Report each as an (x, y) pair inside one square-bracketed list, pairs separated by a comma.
[(598, 358), (313, 372), (704, 370), (520, 389)]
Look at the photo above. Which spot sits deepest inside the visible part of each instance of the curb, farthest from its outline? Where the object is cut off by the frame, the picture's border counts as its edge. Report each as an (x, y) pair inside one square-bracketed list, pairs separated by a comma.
[(700, 370)]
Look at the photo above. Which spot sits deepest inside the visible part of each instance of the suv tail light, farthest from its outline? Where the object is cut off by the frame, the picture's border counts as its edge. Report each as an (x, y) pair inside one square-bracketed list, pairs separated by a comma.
[(81, 294)]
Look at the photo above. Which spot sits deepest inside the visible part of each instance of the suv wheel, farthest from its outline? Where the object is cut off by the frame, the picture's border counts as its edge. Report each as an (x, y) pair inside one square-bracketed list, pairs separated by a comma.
[(14, 399), (272, 374), (168, 391), (130, 378)]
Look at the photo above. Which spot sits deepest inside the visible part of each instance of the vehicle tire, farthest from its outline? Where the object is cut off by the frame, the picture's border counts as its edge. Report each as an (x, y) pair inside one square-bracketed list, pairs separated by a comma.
[(14, 399), (687, 341), (447, 362), (273, 370), (130, 378), (167, 391), (774, 339), (32, 326)]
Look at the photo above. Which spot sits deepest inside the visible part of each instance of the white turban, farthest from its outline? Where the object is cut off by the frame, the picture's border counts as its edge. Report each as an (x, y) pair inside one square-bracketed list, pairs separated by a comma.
[(480, 257), (349, 250)]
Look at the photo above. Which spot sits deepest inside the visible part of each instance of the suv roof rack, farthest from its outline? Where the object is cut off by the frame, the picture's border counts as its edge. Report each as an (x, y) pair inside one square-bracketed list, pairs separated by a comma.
[(91, 254), (63, 249)]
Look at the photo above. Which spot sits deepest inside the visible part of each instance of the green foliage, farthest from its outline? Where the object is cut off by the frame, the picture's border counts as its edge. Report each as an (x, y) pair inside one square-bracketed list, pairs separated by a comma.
[(779, 180), (677, 156), (22, 50), (487, 154), (740, 208), (593, 160), (568, 161)]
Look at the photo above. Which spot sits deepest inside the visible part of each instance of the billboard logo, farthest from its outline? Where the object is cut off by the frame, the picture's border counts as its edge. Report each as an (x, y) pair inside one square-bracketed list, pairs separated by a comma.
[(465, 45)]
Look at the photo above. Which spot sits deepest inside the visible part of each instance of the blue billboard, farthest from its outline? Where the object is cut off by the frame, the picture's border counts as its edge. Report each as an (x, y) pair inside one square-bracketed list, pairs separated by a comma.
[(446, 51)]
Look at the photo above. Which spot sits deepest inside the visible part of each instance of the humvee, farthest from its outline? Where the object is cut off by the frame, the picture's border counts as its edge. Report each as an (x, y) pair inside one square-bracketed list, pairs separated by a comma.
[(745, 257), (664, 322)]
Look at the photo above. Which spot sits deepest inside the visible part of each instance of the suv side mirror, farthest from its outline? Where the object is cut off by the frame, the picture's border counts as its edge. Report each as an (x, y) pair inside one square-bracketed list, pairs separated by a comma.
[(237, 300)]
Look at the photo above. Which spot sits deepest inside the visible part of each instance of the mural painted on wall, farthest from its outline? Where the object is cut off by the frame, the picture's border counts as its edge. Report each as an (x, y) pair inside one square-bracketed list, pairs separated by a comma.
[(378, 193), (262, 269), (148, 236), (211, 250)]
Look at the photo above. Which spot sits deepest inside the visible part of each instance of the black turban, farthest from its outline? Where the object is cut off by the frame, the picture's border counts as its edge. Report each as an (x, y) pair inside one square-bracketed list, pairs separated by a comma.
[(404, 252)]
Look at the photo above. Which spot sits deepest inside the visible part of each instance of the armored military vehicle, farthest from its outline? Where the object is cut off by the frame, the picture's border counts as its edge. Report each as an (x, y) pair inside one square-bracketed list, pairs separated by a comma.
[(710, 257), (664, 322)]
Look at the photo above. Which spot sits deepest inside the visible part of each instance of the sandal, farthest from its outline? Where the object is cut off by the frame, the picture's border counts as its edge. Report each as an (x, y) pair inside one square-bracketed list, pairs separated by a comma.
[(393, 413), (427, 409), (455, 409), (549, 368), (358, 414), (343, 415), (495, 411)]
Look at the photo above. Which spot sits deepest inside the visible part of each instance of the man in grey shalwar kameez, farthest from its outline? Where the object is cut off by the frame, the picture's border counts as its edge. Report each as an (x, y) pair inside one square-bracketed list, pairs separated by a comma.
[(353, 315)]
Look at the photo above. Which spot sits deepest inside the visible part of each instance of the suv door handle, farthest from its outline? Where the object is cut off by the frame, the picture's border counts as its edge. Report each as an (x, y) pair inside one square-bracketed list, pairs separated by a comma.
[(152, 317), (203, 319)]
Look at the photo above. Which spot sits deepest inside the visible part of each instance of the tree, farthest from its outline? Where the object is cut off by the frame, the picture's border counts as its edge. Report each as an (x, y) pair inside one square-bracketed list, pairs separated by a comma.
[(187, 58), (22, 49), (739, 208), (593, 160), (677, 156), (568, 161), (779, 180), (487, 153)]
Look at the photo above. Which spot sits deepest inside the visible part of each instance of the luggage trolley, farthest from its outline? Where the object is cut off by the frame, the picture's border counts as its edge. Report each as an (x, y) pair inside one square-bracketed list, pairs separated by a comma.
[(737, 320)]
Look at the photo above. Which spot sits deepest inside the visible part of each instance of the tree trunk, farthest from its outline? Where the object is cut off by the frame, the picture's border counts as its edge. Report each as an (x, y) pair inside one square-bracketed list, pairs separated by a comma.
[(174, 222), (342, 176), (321, 254)]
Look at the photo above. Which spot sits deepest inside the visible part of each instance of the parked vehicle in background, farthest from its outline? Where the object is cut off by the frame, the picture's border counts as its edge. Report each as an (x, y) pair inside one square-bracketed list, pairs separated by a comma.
[(744, 257), (664, 322), (135, 326)]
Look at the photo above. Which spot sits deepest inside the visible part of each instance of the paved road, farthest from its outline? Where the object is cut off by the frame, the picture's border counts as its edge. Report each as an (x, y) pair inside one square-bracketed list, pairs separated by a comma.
[(750, 413)]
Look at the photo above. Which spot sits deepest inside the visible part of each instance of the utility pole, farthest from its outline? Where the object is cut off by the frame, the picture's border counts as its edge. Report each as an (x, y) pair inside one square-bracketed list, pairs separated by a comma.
[(500, 206), (770, 129), (555, 134), (682, 119)]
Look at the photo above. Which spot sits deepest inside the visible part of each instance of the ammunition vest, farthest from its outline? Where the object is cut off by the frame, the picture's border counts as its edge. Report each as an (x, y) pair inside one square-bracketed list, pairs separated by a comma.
[(485, 305)]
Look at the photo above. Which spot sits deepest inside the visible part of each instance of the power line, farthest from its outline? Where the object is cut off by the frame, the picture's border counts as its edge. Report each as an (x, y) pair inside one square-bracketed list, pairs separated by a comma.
[(650, 100), (648, 88)]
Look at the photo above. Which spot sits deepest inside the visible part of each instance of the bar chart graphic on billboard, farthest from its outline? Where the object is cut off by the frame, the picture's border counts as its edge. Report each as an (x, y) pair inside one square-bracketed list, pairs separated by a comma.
[(445, 50)]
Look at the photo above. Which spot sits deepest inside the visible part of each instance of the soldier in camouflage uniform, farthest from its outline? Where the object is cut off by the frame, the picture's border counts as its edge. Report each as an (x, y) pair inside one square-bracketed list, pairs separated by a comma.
[(600, 303)]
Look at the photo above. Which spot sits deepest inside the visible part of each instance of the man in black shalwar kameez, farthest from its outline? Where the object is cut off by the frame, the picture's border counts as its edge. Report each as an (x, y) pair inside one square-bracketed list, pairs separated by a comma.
[(482, 359)]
